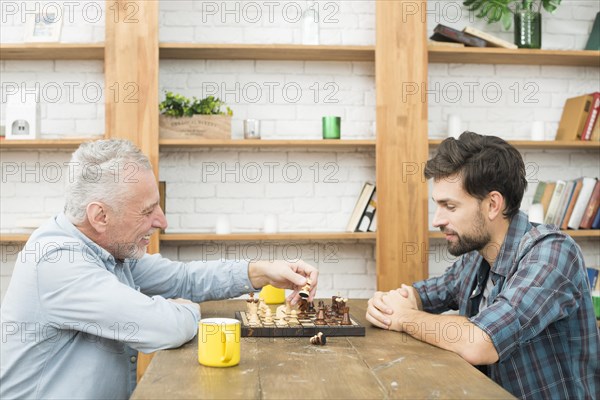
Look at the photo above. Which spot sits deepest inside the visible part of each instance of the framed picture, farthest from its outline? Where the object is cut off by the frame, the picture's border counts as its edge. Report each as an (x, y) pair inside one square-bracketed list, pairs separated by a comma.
[(43, 27)]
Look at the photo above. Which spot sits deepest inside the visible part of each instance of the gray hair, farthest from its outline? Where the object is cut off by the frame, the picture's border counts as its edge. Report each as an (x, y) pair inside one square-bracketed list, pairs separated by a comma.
[(97, 172)]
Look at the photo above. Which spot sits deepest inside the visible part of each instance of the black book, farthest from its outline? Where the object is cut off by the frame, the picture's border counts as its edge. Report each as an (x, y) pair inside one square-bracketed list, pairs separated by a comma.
[(443, 33)]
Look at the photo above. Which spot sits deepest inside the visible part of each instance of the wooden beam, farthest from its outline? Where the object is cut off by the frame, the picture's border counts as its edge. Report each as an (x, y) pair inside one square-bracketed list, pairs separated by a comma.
[(131, 86), (131, 78), (401, 76)]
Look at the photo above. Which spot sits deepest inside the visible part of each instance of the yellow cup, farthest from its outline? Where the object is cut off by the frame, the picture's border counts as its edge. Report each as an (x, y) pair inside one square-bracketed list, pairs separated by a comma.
[(219, 342), (272, 295)]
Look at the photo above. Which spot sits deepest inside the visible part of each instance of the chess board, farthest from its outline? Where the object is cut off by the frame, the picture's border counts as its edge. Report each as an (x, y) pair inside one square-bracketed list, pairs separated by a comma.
[(305, 328)]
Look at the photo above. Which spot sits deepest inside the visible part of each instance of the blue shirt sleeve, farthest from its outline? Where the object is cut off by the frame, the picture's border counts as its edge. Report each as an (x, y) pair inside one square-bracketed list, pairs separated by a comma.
[(440, 294), (198, 281), (78, 293)]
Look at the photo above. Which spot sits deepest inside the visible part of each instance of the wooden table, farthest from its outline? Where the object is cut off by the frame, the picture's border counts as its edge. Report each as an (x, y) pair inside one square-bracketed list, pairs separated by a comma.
[(381, 364)]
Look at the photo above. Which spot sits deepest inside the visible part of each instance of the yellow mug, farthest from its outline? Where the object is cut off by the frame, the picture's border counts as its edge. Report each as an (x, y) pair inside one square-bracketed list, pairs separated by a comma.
[(219, 342), (272, 295)]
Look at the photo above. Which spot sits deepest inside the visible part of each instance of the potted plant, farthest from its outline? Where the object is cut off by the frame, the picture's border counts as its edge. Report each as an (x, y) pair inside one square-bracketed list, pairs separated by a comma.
[(181, 117), (525, 13)]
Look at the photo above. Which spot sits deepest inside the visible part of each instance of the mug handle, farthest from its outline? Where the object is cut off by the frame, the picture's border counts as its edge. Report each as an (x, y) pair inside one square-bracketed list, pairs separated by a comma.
[(229, 341)]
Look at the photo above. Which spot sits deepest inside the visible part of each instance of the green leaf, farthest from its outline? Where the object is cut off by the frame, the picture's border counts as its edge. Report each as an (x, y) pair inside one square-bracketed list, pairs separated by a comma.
[(177, 105)]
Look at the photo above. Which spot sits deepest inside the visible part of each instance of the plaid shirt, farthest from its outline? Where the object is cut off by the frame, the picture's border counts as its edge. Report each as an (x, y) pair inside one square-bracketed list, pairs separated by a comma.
[(539, 313)]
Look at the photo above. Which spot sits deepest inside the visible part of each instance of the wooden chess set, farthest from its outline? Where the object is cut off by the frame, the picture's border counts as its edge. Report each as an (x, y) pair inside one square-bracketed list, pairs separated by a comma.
[(303, 321)]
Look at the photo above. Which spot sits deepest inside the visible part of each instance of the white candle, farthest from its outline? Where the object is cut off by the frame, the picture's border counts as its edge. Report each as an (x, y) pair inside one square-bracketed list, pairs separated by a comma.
[(454, 128)]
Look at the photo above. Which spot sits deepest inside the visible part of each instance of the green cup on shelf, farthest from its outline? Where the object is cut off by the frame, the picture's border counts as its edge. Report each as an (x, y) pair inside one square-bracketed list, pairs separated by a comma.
[(331, 127), (596, 301)]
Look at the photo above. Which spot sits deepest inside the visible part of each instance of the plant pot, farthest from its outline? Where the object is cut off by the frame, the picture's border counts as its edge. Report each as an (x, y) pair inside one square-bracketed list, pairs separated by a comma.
[(217, 127), (528, 29)]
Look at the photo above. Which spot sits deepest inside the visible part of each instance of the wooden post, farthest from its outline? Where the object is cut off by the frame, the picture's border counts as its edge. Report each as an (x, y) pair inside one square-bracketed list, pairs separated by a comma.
[(401, 78), (131, 85)]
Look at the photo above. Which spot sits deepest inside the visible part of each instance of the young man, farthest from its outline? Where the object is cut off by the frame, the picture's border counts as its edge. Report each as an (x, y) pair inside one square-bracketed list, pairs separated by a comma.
[(85, 297), (521, 291)]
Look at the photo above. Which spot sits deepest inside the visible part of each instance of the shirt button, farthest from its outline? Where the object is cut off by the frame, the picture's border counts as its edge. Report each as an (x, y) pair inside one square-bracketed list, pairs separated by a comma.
[(246, 287), (133, 359)]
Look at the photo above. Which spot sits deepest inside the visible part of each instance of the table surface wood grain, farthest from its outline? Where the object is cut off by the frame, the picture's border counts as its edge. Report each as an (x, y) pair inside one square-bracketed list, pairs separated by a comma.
[(382, 364)]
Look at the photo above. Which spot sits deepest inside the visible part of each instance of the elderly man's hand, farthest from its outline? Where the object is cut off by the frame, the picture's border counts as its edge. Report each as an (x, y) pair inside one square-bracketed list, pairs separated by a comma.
[(284, 275)]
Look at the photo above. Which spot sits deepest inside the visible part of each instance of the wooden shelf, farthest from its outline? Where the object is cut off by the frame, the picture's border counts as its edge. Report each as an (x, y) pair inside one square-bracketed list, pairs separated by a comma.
[(168, 143), (546, 144), (197, 51), (491, 55), (52, 51), (581, 233), (6, 238), (470, 55), (194, 51), (70, 143), (314, 236)]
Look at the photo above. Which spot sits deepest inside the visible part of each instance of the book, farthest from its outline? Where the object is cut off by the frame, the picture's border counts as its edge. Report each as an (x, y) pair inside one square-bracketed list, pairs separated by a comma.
[(586, 133), (548, 191), (596, 223), (582, 201), (596, 131), (539, 192), (591, 209), (572, 201), (550, 217), (360, 207), (592, 277), (561, 210), (593, 42), (491, 40), (573, 117), (442, 33), (369, 214), (434, 43), (373, 226)]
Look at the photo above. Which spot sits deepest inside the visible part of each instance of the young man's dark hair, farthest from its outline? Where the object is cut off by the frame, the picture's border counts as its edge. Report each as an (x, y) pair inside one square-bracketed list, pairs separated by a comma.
[(485, 164)]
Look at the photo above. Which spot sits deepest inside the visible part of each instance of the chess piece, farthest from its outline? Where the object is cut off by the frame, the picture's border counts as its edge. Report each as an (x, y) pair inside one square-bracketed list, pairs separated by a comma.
[(281, 320), (280, 313), (252, 305), (305, 291), (320, 320), (293, 319), (262, 308), (268, 318), (346, 317), (319, 339), (303, 307), (334, 303), (288, 308), (311, 308), (253, 320), (341, 304)]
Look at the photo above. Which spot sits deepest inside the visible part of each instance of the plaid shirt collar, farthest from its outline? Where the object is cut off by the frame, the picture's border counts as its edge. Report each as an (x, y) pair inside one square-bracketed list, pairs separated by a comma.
[(519, 225)]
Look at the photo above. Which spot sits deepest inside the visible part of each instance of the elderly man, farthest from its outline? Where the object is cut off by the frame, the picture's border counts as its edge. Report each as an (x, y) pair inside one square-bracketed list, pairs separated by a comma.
[(85, 297)]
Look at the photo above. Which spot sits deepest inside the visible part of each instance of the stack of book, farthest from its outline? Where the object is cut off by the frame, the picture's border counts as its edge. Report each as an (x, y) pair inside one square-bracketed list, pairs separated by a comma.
[(579, 120), (570, 204), (445, 36), (593, 278), (364, 216)]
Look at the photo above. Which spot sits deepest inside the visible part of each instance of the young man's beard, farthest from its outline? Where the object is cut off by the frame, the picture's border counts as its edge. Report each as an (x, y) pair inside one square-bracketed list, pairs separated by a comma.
[(468, 242)]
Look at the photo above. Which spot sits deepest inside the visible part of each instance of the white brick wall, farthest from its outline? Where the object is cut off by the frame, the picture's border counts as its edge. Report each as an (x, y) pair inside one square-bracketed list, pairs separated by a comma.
[(264, 22), (82, 20), (196, 195), (71, 94)]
